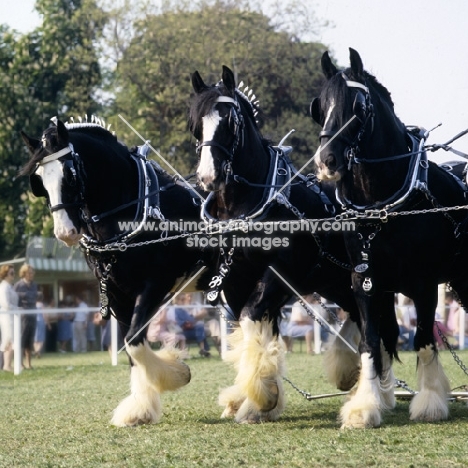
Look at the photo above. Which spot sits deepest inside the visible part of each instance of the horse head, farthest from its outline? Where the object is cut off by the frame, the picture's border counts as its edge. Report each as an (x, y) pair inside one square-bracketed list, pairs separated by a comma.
[(221, 117), (345, 112), (53, 175)]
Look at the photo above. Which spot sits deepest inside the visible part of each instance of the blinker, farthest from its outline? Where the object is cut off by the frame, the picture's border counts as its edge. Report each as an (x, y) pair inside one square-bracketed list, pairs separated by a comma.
[(315, 111)]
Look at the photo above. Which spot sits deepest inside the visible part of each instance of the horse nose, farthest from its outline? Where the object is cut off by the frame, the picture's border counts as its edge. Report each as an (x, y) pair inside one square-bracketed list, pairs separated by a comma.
[(69, 237), (205, 182), (330, 161)]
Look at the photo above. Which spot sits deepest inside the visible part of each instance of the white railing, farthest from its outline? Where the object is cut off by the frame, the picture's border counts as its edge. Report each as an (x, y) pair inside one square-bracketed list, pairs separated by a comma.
[(17, 313)]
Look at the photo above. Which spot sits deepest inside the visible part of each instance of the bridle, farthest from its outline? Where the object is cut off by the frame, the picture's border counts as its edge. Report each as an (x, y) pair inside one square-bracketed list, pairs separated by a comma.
[(236, 125), (363, 110), (71, 163)]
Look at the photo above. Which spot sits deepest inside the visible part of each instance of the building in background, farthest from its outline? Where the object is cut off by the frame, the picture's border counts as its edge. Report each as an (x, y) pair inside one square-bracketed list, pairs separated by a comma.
[(61, 271)]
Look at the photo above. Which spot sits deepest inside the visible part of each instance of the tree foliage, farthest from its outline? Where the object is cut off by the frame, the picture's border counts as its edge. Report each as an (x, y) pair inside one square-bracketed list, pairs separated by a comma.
[(153, 75), (52, 71), (142, 71)]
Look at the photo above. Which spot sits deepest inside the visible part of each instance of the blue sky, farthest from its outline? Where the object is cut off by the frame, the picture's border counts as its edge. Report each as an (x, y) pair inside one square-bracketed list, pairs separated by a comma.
[(418, 49)]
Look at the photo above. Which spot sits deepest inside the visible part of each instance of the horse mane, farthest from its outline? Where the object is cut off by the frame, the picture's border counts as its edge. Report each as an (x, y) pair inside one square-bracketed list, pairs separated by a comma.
[(96, 128)]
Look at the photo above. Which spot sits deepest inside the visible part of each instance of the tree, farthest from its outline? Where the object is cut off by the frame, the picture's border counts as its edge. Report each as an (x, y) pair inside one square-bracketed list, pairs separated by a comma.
[(52, 71), (153, 75)]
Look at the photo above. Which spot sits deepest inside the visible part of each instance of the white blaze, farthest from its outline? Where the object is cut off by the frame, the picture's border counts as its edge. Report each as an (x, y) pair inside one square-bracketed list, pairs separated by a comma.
[(51, 174), (206, 171)]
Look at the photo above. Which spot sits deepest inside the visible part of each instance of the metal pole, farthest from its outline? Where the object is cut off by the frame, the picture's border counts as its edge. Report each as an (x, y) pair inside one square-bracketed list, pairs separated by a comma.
[(114, 341), (317, 338), (223, 337)]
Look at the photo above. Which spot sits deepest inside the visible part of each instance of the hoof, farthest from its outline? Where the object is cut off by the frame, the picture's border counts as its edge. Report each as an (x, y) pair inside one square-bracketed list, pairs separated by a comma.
[(273, 395)]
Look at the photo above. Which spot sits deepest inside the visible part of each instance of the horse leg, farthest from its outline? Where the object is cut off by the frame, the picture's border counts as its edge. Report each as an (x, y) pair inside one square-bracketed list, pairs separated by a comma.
[(430, 403), (342, 365), (389, 332), (261, 367), (387, 382), (363, 409), (151, 373), (231, 398)]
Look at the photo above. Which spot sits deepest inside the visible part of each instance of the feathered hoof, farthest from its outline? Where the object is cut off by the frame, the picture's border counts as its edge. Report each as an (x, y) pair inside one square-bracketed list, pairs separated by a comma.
[(360, 414), (347, 381), (231, 398), (174, 373), (249, 414), (429, 406), (272, 397), (136, 410)]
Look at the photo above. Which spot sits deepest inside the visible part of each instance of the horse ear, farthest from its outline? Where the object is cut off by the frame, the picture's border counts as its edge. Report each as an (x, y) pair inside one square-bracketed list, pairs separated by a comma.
[(356, 63), (228, 80), (328, 68), (62, 133), (31, 143), (197, 83)]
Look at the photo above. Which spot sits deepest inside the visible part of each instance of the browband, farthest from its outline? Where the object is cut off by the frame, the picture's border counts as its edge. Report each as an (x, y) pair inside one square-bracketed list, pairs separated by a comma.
[(57, 155), (227, 99)]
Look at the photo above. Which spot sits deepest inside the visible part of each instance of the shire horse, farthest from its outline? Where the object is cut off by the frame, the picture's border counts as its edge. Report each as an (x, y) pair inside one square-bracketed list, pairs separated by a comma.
[(92, 182), (381, 169), (248, 183)]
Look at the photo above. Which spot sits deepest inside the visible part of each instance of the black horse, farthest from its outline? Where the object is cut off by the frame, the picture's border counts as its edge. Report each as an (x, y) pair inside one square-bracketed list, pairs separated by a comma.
[(252, 185), (94, 186), (382, 173)]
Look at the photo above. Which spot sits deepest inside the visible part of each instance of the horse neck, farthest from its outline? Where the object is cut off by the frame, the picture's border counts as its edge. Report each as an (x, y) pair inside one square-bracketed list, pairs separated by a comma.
[(111, 180), (251, 162), (368, 183)]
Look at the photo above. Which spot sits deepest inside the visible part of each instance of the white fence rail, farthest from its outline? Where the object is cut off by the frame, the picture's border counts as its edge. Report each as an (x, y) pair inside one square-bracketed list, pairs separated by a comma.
[(17, 313)]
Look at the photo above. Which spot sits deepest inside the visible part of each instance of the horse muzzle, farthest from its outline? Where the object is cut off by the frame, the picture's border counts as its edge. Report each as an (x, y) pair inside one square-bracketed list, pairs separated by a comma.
[(68, 235), (327, 167)]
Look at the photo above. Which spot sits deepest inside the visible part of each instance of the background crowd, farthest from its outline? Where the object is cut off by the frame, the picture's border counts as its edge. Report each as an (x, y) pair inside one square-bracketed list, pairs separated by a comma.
[(74, 331), (185, 322)]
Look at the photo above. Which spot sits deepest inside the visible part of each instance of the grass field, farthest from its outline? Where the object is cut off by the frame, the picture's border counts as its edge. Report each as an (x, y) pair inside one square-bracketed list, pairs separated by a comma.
[(58, 415)]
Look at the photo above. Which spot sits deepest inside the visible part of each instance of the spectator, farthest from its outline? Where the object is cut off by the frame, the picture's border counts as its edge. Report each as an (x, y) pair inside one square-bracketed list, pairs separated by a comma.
[(65, 325), (80, 320), (8, 301), (301, 323), (284, 324), (91, 331), (191, 328), (406, 318), (39, 336), (453, 316), (26, 289), (51, 331), (166, 331)]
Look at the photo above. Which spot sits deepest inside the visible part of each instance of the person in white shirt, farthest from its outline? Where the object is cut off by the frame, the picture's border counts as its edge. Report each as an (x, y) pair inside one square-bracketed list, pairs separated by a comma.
[(80, 326), (8, 301)]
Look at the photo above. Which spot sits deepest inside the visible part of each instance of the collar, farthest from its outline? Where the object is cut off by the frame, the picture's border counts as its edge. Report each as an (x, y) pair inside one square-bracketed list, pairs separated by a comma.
[(279, 174), (416, 179)]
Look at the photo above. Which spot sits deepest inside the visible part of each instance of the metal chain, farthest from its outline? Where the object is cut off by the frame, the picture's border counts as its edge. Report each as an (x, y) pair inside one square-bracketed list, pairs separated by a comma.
[(308, 396), (451, 349), (243, 225), (383, 214), (402, 384)]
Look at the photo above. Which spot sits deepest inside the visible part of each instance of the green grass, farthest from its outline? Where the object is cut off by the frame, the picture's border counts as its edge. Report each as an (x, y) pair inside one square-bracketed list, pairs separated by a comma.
[(58, 415)]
